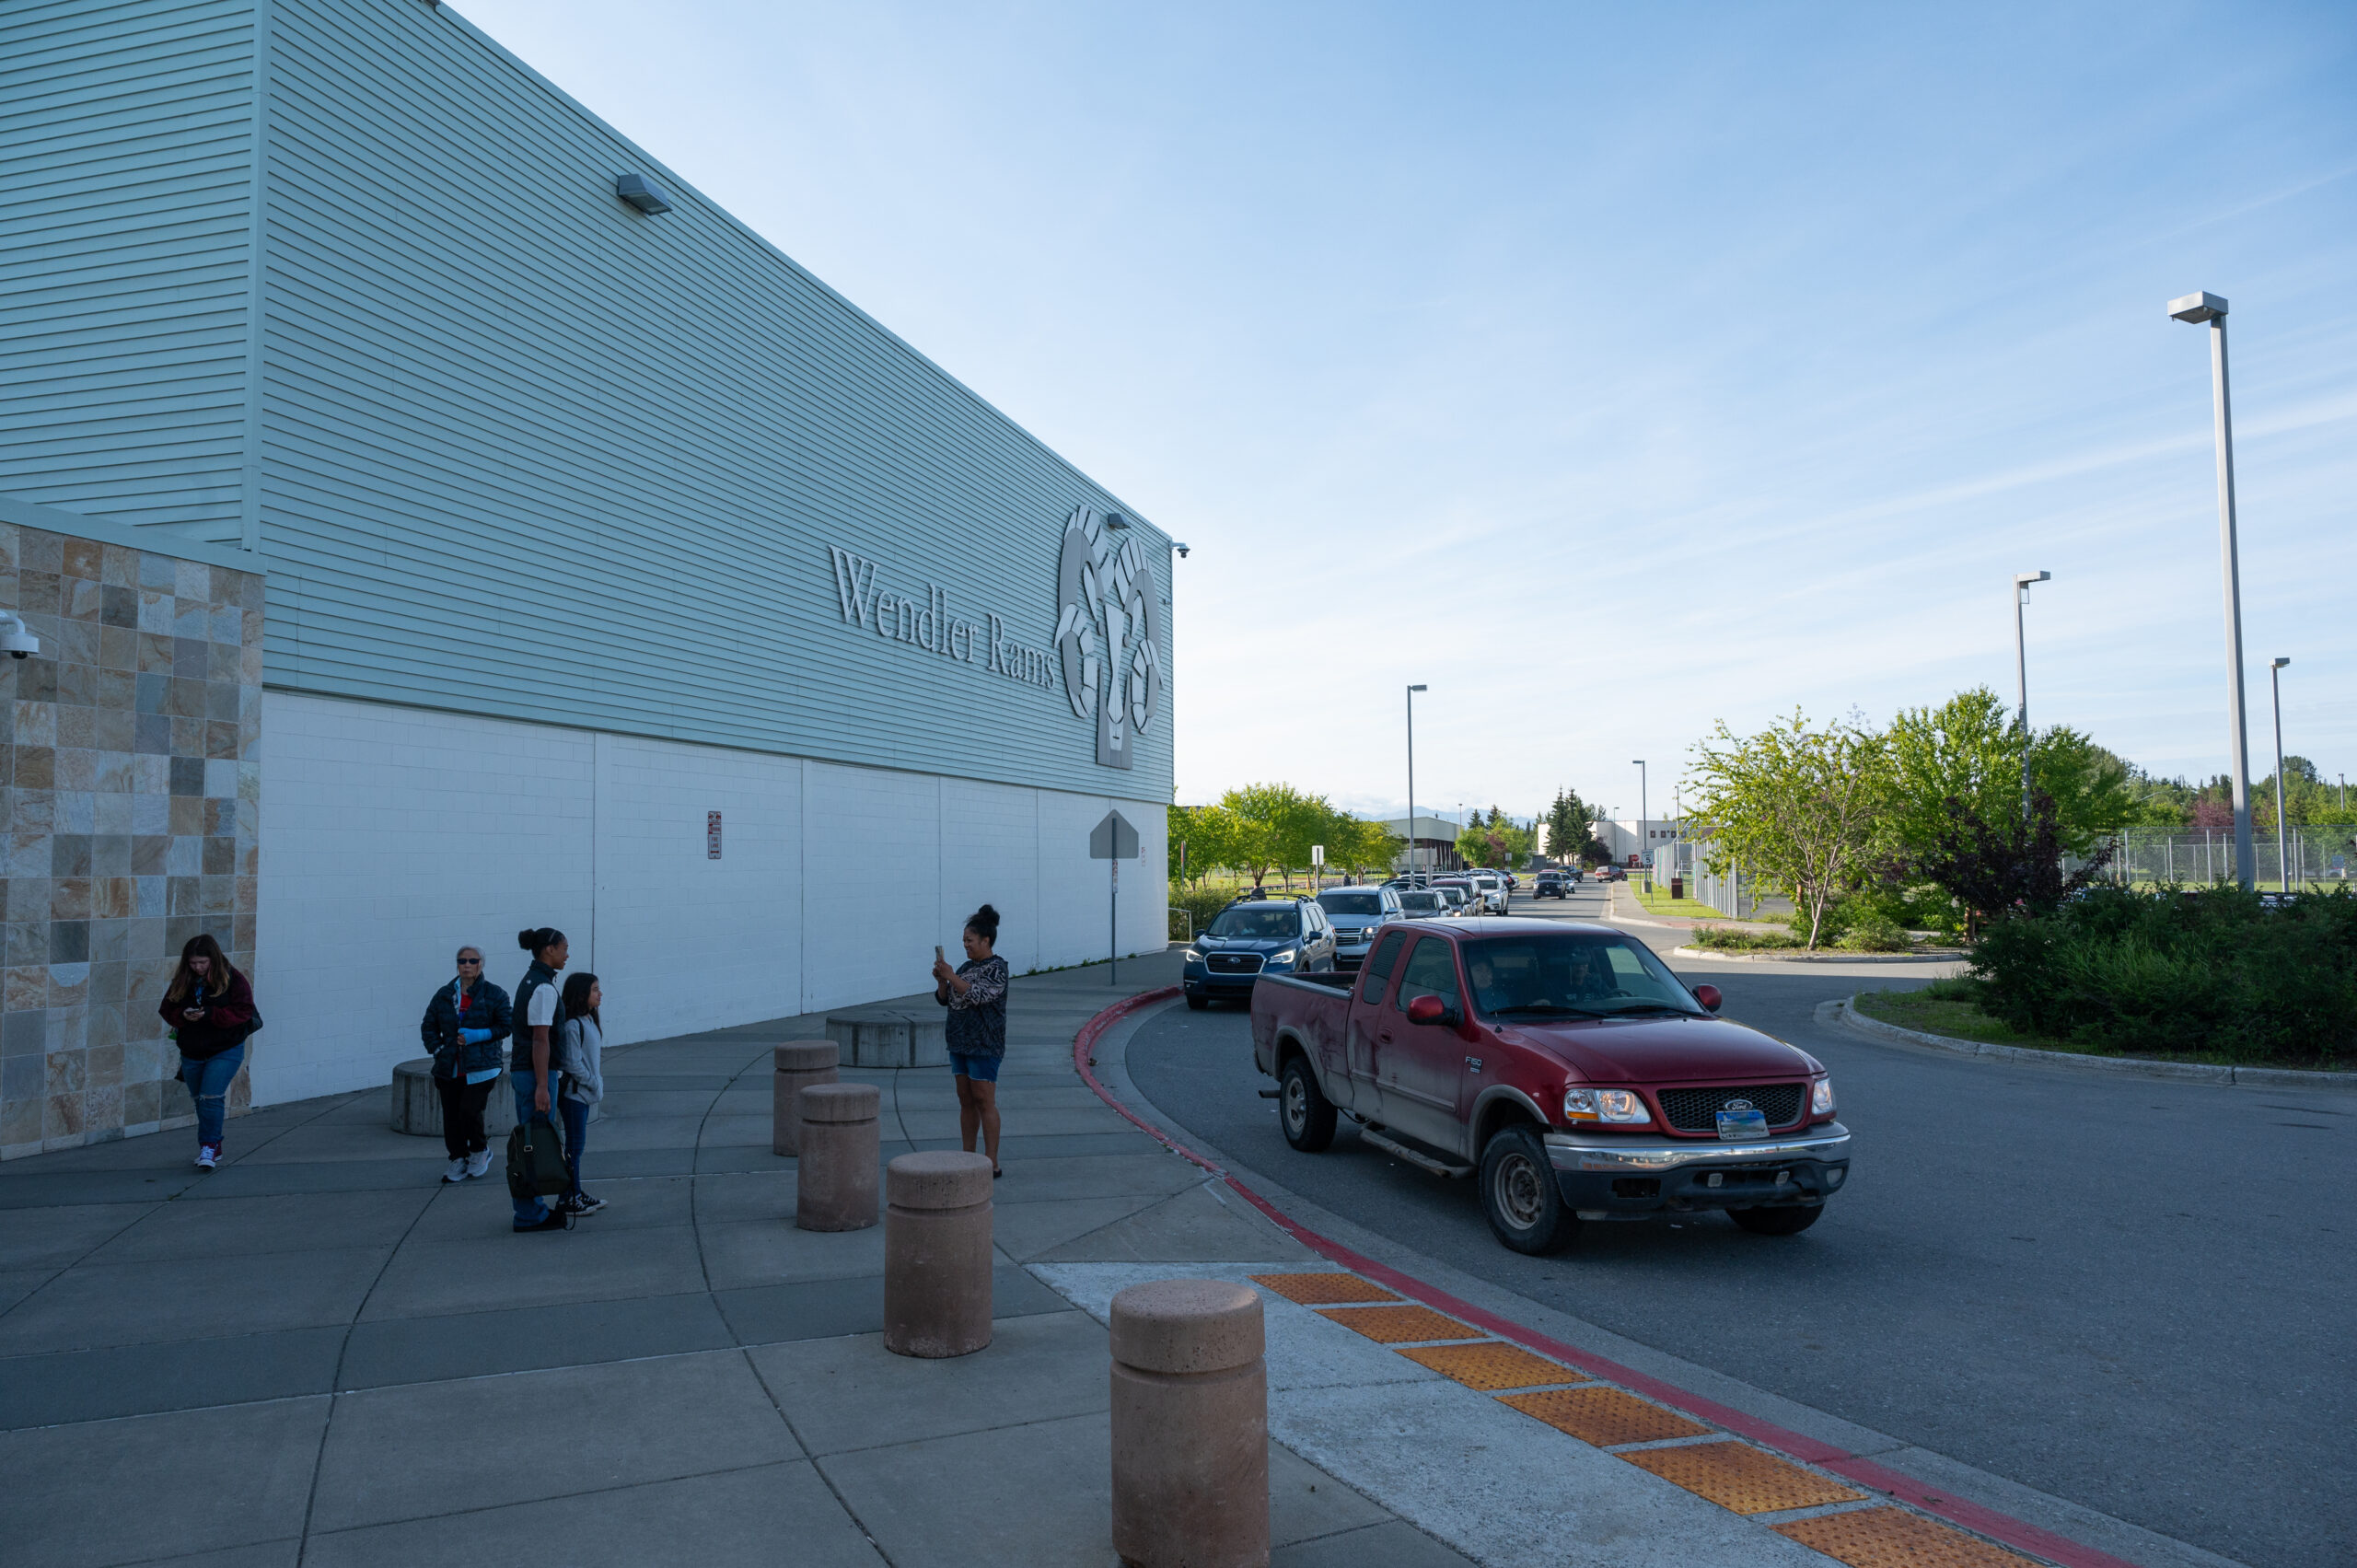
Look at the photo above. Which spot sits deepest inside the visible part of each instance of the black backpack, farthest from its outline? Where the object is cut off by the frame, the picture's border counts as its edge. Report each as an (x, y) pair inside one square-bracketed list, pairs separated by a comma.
[(536, 1162)]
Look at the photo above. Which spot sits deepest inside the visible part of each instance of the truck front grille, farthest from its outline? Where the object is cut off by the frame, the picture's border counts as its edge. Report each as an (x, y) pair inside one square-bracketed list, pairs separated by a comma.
[(1697, 1110)]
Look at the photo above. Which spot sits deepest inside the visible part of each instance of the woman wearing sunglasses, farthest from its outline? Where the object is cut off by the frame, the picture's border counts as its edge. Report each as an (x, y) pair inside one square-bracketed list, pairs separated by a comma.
[(465, 1022)]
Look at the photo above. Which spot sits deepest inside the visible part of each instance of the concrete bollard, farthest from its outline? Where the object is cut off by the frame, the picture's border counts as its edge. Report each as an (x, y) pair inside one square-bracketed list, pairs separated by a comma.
[(835, 1188), (1191, 1427), (937, 1254), (797, 1064)]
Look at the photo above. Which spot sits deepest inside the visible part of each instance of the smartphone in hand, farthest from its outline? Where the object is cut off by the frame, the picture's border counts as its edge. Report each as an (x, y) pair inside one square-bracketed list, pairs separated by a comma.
[(936, 954)]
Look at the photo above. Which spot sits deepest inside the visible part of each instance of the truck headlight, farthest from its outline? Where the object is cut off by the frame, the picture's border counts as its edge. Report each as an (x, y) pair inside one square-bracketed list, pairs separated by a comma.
[(1821, 1097), (1579, 1105), (1621, 1105)]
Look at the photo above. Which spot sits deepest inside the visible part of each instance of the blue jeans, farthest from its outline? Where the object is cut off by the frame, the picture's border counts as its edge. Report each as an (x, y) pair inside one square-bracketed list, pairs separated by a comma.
[(529, 1210), (208, 1085), (576, 1128)]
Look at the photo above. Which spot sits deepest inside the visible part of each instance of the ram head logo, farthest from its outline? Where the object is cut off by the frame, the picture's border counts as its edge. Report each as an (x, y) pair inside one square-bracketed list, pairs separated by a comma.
[(1109, 633)]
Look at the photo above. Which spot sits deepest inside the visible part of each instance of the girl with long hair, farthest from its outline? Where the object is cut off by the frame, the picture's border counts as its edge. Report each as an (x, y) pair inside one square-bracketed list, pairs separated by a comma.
[(209, 1008), (580, 1047)]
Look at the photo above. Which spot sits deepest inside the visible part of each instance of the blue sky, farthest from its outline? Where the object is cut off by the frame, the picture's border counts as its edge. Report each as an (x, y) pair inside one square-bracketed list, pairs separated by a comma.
[(1613, 371)]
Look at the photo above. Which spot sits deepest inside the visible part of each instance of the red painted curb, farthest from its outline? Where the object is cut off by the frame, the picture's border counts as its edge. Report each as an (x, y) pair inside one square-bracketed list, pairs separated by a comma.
[(1867, 1473)]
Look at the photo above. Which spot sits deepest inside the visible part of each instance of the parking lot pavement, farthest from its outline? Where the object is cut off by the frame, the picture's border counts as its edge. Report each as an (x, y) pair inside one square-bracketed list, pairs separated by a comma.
[(320, 1353)]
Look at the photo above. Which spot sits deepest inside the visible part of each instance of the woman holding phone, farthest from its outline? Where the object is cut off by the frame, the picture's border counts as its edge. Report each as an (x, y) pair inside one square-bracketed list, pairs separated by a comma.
[(975, 993)]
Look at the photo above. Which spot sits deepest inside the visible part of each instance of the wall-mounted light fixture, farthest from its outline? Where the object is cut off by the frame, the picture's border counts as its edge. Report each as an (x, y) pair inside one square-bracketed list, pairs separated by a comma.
[(642, 193), (15, 638)]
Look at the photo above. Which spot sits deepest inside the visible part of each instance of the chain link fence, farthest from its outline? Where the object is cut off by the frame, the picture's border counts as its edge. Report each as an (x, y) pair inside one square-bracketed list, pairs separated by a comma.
[(2315, 855)]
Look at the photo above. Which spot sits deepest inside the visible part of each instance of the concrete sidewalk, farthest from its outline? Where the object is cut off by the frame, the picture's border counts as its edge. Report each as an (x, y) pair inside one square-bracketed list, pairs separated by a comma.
[(320, 1354)]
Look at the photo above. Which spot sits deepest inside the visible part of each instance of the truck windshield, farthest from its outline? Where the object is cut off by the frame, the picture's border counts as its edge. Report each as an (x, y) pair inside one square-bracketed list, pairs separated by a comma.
[(1576, 974), (1352, 903), (1264, 925)]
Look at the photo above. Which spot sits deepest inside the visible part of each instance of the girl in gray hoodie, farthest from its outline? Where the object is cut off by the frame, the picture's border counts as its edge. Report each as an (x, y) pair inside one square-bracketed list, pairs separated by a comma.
[(580, 1047)]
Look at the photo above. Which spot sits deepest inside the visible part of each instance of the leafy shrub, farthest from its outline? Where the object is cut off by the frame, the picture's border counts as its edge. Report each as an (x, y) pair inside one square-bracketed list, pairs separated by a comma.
[(2214, 971), (1727, 940), (1200, 902), (1871, 930), (1960, 987)]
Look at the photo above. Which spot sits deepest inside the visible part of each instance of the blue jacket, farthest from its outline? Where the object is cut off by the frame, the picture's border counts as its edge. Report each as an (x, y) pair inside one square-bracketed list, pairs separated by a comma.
[(488, 1019)]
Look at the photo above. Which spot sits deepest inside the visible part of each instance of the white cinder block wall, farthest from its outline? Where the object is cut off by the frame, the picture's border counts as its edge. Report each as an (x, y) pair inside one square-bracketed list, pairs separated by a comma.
[(391, 835)]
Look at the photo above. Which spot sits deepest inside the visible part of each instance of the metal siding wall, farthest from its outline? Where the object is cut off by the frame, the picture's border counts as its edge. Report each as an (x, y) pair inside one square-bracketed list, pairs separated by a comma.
[(126, 132), (526, 452)]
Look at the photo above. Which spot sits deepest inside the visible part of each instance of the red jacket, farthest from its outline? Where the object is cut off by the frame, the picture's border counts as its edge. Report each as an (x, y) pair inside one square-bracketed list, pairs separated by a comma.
[(227, 1021)]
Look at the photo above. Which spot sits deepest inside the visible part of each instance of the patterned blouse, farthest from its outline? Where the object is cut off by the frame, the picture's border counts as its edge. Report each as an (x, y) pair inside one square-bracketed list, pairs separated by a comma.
[(976, 1021)]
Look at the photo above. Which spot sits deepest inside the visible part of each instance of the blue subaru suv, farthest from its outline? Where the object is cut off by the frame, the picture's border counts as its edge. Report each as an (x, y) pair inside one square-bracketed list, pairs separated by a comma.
[(1249, 938)]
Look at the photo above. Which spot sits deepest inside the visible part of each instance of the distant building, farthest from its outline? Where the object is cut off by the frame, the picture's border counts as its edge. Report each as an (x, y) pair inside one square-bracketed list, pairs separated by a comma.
[(1433, 842), (1639, 836)]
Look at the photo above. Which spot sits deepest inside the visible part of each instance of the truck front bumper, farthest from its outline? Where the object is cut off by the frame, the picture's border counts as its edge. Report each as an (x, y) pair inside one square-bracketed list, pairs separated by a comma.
[(1608, 1177)]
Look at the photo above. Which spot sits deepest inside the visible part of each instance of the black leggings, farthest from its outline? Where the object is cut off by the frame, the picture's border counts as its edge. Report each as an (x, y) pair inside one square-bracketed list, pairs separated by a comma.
[(462, 1105)]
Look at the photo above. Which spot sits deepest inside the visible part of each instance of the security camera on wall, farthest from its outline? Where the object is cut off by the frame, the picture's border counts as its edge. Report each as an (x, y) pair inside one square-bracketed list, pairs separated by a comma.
[(16, 639)]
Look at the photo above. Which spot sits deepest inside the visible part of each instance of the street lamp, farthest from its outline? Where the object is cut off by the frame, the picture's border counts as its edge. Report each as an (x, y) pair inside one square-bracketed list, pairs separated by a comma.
[(2198, 308), (1411, 782), (2282, 831), (1644, 840), (2022, 580)]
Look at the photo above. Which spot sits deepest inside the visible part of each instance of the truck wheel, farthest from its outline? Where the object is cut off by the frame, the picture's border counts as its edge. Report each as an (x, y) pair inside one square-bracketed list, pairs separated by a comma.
[(1784, 1219), (1519, 1197), (1197, 1004), (1302, 1106)]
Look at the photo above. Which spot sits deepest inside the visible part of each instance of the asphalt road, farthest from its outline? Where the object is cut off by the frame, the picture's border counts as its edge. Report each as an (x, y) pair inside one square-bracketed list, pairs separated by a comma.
[(2133, 1293)]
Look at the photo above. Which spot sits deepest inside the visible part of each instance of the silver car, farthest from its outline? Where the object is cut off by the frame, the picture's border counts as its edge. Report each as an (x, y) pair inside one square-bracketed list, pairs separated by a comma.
[(1356, 912), (1422, 903)]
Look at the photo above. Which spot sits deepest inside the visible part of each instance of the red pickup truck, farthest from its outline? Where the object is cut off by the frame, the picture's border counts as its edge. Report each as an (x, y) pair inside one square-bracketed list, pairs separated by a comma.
[(1567, 1065)]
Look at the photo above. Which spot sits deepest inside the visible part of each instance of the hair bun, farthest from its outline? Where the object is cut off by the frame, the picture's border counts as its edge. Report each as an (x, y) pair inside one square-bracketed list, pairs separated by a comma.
[(984, 922), (524, 939), (986, 912)]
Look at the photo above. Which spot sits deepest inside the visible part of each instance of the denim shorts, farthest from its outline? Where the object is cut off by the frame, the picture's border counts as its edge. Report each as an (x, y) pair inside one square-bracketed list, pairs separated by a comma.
[(981, 1069)]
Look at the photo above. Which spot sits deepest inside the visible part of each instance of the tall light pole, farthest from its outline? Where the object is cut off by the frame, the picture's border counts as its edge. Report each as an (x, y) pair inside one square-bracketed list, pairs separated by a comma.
[(1411, 782), (2282, 830), (2208, 307), (1644, 840), (2022, 580)]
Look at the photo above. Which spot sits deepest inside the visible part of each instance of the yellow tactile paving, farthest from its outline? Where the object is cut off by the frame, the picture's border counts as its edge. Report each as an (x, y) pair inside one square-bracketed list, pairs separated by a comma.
[(1738, 1476), (1603, 1416), (1312, 1290), (1893, 1537), (1491, 1366), (1400, 1325)]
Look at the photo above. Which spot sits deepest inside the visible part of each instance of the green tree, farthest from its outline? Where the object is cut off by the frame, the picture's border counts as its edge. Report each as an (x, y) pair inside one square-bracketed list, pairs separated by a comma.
[(1803, 808), (1494, 841), (1970, 748), (1568, 833), (1208, 836)]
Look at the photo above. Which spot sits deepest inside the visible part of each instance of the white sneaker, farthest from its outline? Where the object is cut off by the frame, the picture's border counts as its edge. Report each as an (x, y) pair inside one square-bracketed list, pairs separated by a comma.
[(457, 1171), (207, 1157), (479, 1162)]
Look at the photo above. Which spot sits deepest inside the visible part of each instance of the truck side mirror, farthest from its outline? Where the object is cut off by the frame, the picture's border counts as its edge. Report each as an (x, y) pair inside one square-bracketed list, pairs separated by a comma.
[(1427, 1010), (1708, 996)]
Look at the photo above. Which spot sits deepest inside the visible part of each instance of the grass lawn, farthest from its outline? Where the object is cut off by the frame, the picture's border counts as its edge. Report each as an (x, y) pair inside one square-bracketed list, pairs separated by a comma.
[(1656, 901), (1935, 1013)]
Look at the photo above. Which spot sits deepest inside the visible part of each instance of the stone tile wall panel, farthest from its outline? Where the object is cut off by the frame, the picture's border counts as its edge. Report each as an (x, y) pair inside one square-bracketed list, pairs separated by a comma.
[(130, 768)]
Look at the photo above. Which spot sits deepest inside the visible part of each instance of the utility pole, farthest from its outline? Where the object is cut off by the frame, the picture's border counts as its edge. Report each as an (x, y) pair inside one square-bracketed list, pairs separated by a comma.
[(2022, 580), (2198, 308), (1411, 784), (2283, 826)]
